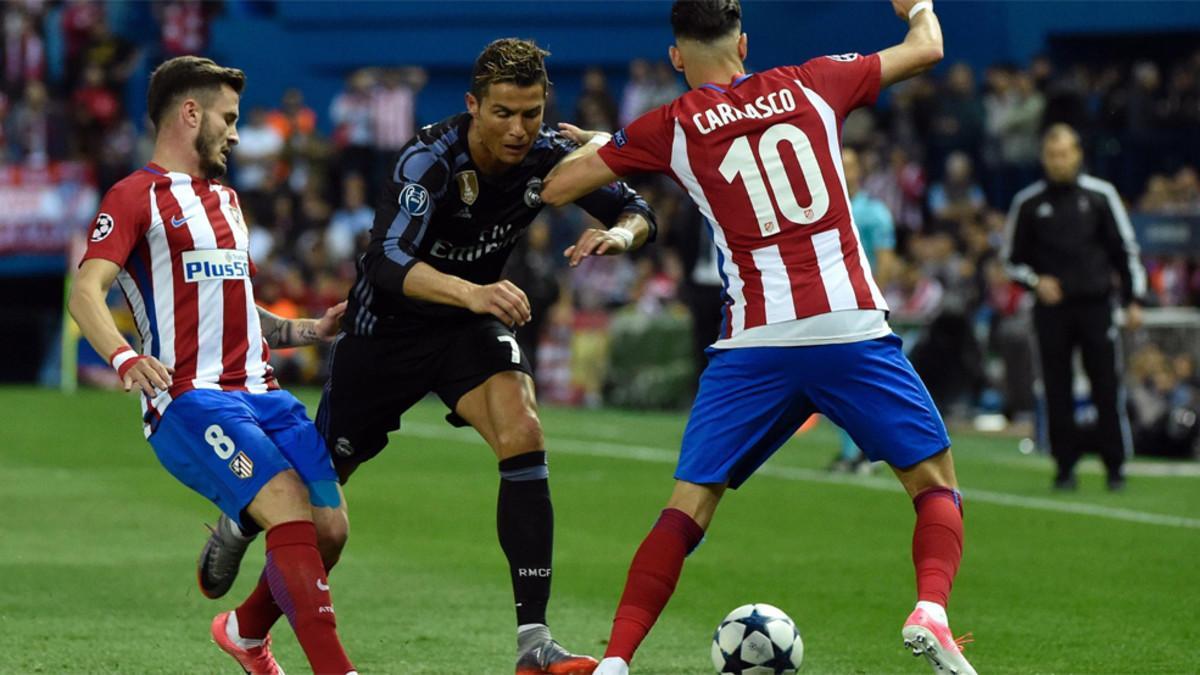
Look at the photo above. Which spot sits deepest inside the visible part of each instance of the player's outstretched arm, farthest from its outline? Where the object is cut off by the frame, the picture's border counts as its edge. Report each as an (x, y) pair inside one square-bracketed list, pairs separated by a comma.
[(579, 173), (281, 332), (503, 299), (922, 47), (89, 309)]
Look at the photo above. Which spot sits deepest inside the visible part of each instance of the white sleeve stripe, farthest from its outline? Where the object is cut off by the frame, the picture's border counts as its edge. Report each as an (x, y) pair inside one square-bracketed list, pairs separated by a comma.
[(1022, 273), (1137, 273)]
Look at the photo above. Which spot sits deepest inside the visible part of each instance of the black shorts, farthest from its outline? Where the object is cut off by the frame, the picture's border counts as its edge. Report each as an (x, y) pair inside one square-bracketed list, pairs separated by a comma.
[(374, 380)]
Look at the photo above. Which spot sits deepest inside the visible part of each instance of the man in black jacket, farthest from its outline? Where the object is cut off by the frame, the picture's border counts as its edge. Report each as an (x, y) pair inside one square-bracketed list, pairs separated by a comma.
[(1070, 241)]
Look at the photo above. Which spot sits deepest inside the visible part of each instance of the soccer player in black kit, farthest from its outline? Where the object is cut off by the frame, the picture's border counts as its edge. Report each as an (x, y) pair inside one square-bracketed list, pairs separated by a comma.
[(429, 313)]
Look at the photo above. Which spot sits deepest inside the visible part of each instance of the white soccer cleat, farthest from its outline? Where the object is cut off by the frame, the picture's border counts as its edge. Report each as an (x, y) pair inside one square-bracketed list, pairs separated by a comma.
[(928, 637), (613, 665)]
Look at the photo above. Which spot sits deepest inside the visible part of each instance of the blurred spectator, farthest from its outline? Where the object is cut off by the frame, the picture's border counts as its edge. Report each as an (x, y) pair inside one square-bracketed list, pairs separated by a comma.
[(533, 267), (354, 125), (958, 119), (596, 108), (96, 109), (293, 116), (393, 111), (79, 19), (184, 25), (257, 156), (113, 54), (1164, 400), (957, 198), (899, 184), (638, 92), (350, 225), (1014, 120), (24, 50), (37, 128), (876, 230)]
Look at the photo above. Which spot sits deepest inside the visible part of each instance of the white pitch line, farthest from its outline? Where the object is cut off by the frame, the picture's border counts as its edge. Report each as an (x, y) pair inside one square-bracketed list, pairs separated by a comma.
[(653, 455)]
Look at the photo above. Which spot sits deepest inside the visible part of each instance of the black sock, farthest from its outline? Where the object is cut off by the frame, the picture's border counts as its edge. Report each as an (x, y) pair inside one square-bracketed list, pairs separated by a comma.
[(525, 523)]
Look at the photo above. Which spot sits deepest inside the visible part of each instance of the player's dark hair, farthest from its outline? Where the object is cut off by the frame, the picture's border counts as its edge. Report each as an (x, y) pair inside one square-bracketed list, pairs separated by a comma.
[(183, 75), (705, 20), (520, 62)]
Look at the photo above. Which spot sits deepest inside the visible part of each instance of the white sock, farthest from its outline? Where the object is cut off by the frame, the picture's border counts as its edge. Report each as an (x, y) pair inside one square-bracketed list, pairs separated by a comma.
[(231, 632), (934, 610)]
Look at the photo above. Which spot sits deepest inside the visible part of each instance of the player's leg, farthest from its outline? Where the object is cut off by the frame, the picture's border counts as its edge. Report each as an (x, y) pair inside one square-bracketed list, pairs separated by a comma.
[(372, 381), (284, 420), (656, 568), (747, 406), (870, 389), (1100, 346), (213, 443), (1055, 347), (503, 410)]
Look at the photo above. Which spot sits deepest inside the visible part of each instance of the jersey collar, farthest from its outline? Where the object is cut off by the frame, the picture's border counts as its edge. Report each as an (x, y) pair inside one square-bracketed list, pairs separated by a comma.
[(732, 85)]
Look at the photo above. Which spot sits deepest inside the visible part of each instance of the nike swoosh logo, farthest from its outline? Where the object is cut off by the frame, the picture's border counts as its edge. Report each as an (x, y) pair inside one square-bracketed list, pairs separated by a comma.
[(321, 586), (177, 222)]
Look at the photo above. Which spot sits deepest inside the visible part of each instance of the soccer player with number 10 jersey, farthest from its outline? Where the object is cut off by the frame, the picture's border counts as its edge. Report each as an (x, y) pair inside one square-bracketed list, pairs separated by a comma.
[(805, 327)]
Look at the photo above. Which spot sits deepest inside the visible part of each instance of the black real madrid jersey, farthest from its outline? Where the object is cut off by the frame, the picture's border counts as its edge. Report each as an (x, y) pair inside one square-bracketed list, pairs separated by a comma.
[(438, 208)]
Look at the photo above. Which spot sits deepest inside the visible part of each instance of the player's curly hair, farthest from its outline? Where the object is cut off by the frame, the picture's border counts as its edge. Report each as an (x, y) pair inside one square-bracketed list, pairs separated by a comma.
[(183, 75), (705, 20), (520, 62)]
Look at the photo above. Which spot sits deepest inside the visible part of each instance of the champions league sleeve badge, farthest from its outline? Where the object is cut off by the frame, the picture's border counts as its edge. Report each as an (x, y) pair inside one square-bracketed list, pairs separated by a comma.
[(414, 199), (104, 226), (533, 193)]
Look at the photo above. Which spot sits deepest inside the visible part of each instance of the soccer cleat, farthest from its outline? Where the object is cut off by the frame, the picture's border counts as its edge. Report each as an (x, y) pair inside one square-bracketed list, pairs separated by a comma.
[(927, 637), (220, 559), (549, 658), (613, 665), (256, 660)]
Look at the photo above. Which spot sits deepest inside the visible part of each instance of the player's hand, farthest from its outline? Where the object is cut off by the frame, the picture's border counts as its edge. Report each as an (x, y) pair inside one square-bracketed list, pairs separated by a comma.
[(903, 7), (1049, 291), (502, 300), (1133, 316), (580, 136), (327, 326), (149, 375), (594, 241)]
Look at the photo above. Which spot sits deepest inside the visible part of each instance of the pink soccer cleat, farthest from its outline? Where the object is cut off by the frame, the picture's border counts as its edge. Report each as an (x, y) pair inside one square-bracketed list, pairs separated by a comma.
[(930, 638), (256, 660)]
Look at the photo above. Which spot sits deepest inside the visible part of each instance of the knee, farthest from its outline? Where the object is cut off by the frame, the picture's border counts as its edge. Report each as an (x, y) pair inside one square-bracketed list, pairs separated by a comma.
[(332, 534), (520, 436)]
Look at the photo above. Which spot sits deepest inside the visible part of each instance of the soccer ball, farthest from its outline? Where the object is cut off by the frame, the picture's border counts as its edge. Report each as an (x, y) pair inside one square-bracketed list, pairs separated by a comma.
[(757, 638)]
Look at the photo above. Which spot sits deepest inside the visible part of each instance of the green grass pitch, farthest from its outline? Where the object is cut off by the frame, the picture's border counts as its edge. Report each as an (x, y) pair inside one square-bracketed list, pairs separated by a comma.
[(98, 546)]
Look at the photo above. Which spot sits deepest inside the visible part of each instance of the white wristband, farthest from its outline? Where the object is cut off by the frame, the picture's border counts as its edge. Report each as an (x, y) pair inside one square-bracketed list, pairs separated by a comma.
[(121, 356), (624, 235), (918, 8), (600, 138)]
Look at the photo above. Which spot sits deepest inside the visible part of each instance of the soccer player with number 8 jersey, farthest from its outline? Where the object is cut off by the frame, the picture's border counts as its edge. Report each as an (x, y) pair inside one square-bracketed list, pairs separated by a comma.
[(174, 239), (805, 327)]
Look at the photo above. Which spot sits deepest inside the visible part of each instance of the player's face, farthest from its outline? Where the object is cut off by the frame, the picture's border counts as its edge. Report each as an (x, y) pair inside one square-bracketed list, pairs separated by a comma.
[(508, 119), (218, 133), (1061, 158)]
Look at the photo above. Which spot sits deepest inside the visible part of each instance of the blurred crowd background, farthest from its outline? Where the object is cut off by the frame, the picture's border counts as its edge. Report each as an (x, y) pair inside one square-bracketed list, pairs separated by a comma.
[(933, 169)]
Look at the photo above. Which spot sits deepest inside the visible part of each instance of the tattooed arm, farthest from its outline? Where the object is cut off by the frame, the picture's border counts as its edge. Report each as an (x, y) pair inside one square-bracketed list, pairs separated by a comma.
[(281, 332)]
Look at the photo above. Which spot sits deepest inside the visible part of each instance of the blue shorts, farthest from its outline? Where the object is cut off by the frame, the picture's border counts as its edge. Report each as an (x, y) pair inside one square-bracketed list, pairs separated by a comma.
[(753, 399), (226, 445)]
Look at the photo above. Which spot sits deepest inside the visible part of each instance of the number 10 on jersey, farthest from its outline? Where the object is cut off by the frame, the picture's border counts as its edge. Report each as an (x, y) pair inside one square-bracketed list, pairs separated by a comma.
[(741, 161)]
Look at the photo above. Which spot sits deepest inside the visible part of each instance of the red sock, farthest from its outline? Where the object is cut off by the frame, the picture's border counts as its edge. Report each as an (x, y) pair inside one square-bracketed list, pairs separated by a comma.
[(652, 577), (937, 542), (299, 585), (258, 612)]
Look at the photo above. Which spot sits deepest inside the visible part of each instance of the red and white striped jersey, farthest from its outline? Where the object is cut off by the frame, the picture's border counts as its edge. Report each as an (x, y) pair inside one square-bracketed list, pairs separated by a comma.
[(761, 157), (182, 246)]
